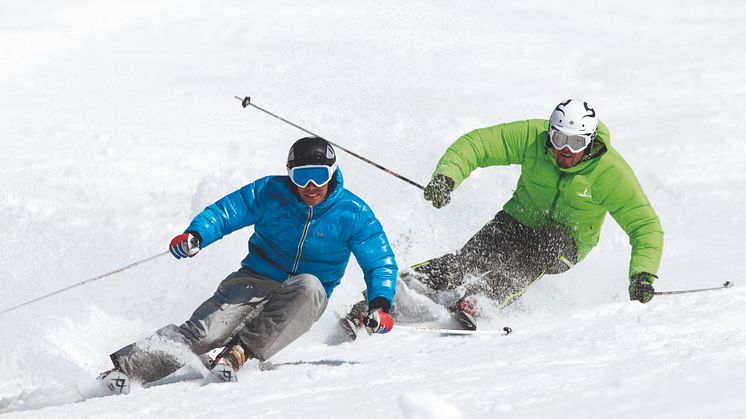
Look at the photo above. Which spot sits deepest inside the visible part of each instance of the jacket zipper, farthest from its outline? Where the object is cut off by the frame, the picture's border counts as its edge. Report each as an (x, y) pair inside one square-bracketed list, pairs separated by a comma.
[(556, 197), (300, 245)]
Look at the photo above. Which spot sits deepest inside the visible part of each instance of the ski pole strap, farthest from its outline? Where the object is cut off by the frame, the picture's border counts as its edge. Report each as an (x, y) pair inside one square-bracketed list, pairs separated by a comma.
[(245, 102)]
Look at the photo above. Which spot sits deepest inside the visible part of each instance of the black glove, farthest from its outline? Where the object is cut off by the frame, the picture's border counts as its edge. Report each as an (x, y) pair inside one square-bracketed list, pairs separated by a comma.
[(641, 287), (439, 190)]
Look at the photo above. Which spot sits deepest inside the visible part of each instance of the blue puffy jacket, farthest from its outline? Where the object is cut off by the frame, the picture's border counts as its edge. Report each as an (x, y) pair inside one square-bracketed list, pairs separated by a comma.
[(291, 238)]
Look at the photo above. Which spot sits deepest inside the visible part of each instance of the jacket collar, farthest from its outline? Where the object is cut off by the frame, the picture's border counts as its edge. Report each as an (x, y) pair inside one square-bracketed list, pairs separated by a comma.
[(597, 149)]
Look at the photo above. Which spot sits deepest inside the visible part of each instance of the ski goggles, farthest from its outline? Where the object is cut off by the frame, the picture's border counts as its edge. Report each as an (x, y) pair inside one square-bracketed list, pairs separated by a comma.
[(320, 174), (577, 143)]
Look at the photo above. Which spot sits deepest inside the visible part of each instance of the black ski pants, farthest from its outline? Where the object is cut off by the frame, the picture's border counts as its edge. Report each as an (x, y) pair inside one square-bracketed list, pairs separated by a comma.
[(506, 256)]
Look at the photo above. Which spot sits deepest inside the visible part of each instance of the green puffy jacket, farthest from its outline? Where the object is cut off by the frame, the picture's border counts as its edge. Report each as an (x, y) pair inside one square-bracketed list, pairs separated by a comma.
[(576, 198)]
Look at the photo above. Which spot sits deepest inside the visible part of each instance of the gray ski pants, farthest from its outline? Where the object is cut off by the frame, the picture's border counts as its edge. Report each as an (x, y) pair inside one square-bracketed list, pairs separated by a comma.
[(265, 314)]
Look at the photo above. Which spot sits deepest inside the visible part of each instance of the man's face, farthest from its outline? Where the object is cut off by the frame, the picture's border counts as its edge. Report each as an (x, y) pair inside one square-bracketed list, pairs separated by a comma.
[(313, 195), (565, 158)]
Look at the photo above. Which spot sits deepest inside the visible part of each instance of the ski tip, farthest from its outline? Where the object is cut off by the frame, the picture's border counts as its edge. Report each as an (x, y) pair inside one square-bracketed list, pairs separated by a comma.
[(114, 382), (221, 372), (349, 329)]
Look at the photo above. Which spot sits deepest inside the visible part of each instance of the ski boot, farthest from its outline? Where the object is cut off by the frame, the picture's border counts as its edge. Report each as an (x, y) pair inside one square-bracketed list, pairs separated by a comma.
[(114, 382), (464, 311), (227, 363)]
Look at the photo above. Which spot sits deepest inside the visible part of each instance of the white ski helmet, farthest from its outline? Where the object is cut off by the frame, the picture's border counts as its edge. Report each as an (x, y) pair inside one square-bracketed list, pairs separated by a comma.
[(574, 117)]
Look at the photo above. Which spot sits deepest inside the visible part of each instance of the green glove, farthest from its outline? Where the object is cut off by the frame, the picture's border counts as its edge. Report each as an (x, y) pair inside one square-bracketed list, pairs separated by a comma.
[(641, 287), (439, 190)]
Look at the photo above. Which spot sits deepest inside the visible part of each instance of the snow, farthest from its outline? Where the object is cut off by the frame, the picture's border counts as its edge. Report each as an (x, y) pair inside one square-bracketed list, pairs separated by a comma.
[(119, 124)]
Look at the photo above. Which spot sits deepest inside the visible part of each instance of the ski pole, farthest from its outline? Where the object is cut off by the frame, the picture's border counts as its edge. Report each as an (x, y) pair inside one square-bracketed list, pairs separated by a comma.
[(245, 102), (506, 330), (725, 285), (123, 268)]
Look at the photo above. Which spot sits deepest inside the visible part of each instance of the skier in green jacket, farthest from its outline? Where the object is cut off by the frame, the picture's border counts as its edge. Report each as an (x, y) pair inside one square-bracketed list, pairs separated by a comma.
[(570, 178)]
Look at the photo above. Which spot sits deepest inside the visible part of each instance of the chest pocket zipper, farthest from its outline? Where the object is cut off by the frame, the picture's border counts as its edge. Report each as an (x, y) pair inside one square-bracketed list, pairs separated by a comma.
[(300, 244)]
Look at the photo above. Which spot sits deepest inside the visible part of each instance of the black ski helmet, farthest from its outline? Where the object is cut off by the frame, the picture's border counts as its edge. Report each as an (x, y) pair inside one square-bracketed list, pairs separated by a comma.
[(311, 151)]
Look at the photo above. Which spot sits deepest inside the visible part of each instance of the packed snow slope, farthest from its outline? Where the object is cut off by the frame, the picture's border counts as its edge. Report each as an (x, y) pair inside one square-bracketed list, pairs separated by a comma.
[(119, 124)]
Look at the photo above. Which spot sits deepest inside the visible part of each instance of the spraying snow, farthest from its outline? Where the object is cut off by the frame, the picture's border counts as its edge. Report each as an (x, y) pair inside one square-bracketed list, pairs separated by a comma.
[(120, 124)]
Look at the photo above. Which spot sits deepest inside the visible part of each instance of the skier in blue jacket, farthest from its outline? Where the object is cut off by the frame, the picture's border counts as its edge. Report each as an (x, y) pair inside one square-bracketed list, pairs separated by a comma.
[(305, 227)]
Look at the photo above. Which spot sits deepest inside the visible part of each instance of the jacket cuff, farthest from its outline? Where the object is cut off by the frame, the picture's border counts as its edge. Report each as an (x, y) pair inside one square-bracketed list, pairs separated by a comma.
[(195, 234), (645, 277), (379, 303)]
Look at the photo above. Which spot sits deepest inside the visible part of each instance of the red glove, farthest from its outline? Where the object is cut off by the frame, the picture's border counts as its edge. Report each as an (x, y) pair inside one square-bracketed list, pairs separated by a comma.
[(184, 245), (379, 321)]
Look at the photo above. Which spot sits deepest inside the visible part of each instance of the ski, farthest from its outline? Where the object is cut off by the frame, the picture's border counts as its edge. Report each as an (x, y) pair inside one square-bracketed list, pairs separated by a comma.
[(349, 329), (220, 372), (113, 382)]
